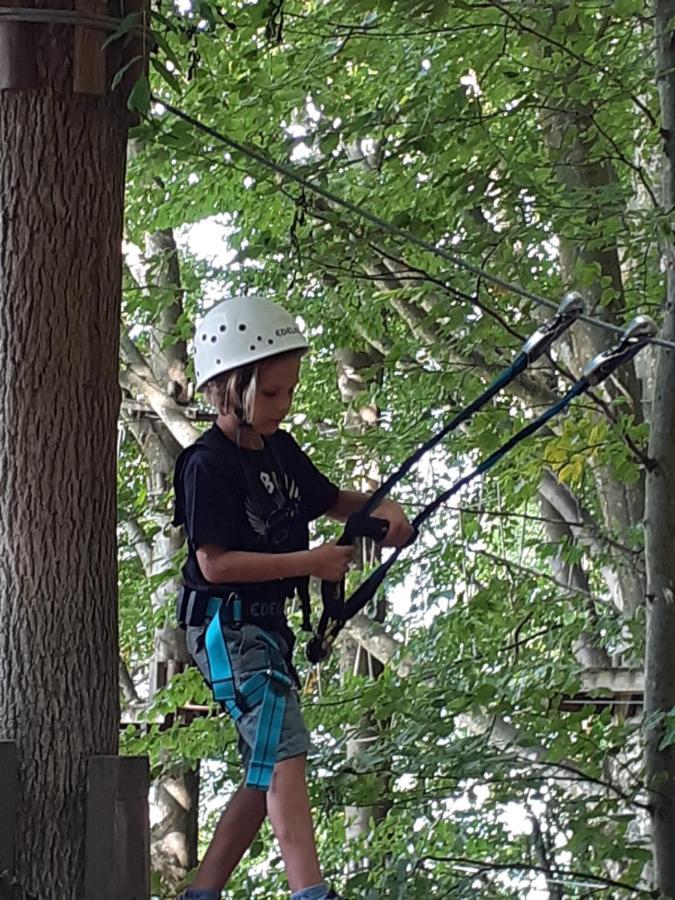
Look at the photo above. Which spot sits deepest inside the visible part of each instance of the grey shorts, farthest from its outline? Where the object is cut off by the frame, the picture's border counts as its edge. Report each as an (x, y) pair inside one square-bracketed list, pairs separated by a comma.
[(249, 653)]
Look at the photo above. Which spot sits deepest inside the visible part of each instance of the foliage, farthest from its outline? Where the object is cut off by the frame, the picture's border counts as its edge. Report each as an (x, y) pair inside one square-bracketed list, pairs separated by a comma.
[(523, 139)]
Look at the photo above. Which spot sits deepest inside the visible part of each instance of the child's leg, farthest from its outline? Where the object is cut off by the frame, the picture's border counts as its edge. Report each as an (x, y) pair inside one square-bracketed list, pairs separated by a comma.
[(234, 834), (289, 812)]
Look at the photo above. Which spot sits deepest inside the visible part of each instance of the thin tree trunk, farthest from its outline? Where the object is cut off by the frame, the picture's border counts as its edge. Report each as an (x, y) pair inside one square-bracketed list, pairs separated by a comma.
[(577, 168), (353, 657), (586, 649), (62, 188), (660, 524), (174, 799)]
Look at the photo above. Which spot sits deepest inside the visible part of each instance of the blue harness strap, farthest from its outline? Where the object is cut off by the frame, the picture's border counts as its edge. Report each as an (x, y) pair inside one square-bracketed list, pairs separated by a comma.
[(268, 687)]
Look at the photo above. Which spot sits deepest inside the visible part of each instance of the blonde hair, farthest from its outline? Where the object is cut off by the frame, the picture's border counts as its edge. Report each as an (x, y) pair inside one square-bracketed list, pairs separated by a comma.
[(234, 391)]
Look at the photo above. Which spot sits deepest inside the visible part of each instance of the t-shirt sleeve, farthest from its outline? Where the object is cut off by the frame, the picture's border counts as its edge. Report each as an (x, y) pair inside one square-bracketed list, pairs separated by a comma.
[(318, 492), (206, 500)]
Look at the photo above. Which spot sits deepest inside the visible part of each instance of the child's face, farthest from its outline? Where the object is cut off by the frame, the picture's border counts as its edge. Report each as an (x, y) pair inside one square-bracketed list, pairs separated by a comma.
[(277, 380)]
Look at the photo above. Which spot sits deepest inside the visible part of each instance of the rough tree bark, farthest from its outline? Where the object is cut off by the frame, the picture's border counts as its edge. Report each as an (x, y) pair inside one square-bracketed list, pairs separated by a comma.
[(660, 503), (62, 183)]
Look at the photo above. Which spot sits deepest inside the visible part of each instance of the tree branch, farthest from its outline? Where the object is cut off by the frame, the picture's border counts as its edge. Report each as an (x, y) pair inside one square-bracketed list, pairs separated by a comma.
[(127, 683), (483, 865), (140, 543), (502, 734), (137, 376)]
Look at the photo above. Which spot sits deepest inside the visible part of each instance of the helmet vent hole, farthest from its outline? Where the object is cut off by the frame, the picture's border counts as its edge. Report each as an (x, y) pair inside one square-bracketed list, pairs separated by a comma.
[(270, 340), (260, 337), (242, 327), (218, 362), (214, 338), (252, 347), (204, 336), (223, 327)]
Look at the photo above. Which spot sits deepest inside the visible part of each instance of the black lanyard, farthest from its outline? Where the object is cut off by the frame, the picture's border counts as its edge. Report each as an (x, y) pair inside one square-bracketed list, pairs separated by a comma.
[(639, 332)]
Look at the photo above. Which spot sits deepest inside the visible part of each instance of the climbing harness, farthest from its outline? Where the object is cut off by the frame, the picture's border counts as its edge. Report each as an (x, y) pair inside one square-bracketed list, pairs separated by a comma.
[(638, 333), (267, 688)]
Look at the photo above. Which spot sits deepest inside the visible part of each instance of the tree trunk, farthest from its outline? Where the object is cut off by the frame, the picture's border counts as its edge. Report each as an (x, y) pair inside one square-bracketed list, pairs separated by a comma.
[(586, 649), (168, 358), (175, 804), (353, 657), (174, 800), (577, 167), (660, 518), (62, 184)]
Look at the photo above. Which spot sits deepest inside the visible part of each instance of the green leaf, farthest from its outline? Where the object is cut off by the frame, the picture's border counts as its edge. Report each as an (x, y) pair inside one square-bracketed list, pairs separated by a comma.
[(119, 75), (623, 8), (329, 143), (127, 24), (139, 96), (167, 75)]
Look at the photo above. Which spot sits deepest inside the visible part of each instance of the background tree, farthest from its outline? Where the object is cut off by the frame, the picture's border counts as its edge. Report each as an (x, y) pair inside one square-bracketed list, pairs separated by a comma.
[(659, 676), (528, 142)]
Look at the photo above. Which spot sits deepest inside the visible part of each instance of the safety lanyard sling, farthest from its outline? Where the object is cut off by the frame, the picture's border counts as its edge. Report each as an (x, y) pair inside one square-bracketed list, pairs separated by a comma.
[(336, 609)]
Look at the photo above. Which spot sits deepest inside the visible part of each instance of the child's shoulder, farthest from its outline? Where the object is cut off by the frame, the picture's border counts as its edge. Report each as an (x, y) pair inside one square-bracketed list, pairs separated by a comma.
[(210, 451), (283, 442)]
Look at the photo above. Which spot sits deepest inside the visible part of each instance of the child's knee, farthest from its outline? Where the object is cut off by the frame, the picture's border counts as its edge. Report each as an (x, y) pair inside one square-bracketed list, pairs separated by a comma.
[(290, 834)]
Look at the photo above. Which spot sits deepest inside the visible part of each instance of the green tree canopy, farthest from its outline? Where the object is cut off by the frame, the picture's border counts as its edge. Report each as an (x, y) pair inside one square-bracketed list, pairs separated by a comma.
[(523, 138)]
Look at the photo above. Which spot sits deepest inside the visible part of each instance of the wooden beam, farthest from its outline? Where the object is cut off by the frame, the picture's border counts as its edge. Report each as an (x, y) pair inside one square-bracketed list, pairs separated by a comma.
[(117, 840), (89, 58), (615, 681), (9, 791), (18, 67)]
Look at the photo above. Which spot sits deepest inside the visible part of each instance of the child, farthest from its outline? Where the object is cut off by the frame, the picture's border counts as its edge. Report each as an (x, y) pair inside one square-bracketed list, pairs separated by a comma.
[(245, 493)]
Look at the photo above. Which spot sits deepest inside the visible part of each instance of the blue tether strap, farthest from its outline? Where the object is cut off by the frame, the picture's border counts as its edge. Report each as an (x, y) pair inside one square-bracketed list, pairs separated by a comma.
[(268, 687)]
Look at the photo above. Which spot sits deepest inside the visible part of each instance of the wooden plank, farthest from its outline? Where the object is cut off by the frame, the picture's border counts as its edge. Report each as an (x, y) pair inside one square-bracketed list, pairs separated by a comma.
[(9, 792), (18, 67), (616, 681), (89, 58), (117, 841)]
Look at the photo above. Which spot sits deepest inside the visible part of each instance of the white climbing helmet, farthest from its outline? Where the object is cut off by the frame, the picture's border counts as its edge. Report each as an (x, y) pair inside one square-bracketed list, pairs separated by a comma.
[(242, 330)]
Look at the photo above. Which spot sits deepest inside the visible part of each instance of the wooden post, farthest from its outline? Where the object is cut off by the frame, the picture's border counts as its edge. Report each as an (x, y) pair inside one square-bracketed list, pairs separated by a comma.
[(117, 846), (18, 69), (9, 790)]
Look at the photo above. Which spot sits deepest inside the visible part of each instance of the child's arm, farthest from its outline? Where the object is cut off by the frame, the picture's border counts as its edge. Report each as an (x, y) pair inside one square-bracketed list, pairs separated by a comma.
[(400, 530), (218, 566)]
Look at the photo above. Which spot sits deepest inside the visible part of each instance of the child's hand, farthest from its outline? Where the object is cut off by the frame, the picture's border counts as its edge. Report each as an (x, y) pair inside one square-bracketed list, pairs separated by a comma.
[(400, 530), (331, 561)]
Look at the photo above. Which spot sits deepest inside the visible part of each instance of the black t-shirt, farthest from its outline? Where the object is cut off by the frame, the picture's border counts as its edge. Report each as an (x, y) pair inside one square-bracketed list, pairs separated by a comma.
[(251, 500)]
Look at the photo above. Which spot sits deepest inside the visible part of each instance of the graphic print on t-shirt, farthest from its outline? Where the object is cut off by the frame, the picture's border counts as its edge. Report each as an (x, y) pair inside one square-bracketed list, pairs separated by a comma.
[(280, 498)]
